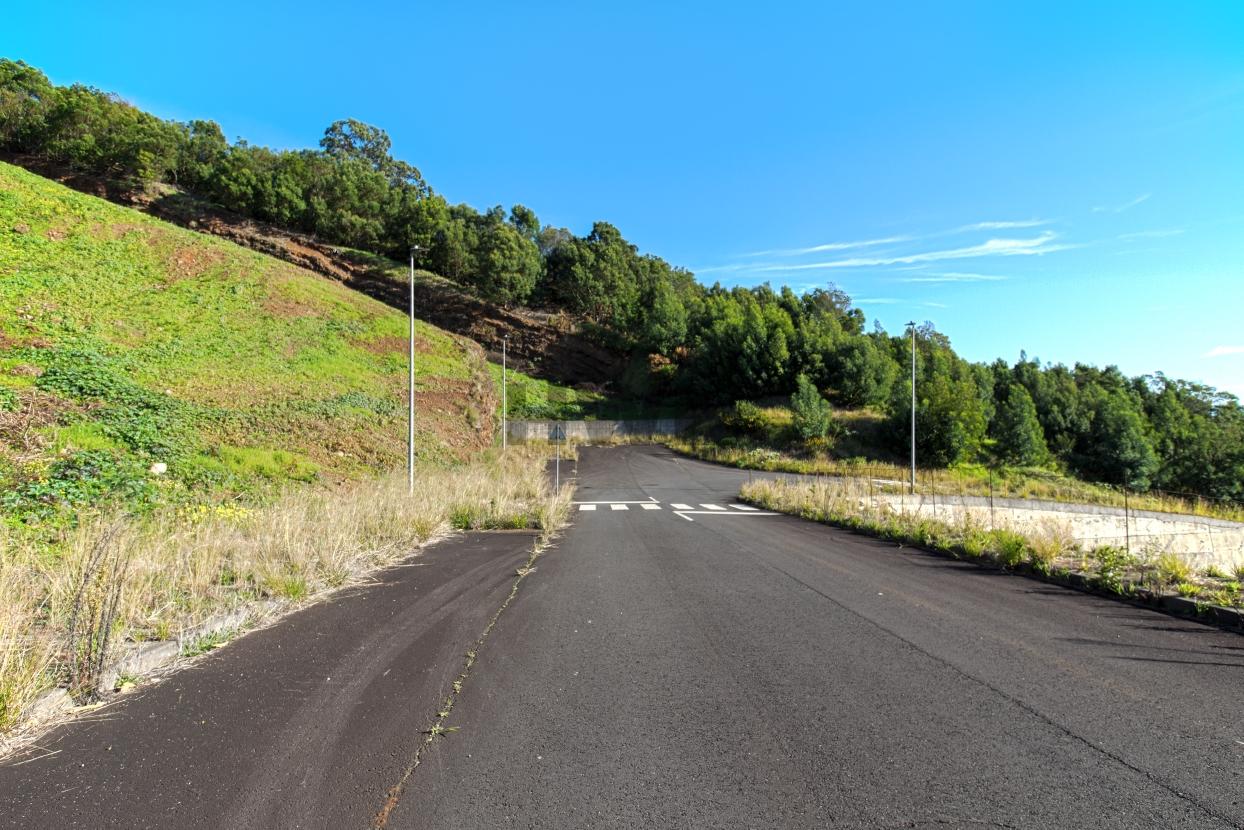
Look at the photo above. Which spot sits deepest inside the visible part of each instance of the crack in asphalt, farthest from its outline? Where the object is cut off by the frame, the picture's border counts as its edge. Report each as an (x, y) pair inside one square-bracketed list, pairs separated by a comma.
[(1019, 703), (437, 727)]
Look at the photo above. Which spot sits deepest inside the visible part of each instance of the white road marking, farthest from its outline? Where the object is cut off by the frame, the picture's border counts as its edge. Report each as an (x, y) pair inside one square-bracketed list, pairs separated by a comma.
[(619, 506), (687, 514), (712, 507), (742, 507), (587, 507), (616, 501), (651, 506), (677, 506)]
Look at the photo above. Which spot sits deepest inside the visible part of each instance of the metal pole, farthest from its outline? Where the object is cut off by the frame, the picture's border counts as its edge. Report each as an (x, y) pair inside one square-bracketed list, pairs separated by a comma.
[(913, 405), (504, 402), (557, 468), (410, 433)]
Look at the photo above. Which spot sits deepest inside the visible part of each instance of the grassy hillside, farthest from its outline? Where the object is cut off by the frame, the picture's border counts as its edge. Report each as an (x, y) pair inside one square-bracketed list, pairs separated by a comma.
[(127, 343)]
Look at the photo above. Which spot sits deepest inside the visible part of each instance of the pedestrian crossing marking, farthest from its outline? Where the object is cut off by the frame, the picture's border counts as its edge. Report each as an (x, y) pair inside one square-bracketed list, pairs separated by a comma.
[(680, 509)]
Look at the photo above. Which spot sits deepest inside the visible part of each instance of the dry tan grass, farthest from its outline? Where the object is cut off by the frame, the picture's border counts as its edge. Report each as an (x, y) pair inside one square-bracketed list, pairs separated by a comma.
[(179, 567), (972, 481)]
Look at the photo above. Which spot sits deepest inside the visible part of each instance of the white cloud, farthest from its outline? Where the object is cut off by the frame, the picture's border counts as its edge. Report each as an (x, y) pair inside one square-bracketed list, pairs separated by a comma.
[(834, 246), (1144, 197), (877, 301), (934, 305), (997, 226), (1033, 246), (954, 276), (1157, 234), (1222, 351)]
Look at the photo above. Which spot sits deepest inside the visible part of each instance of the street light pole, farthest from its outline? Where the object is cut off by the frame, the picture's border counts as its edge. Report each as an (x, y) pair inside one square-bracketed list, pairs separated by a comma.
[(410, 432), (504, 402), (912, 324)]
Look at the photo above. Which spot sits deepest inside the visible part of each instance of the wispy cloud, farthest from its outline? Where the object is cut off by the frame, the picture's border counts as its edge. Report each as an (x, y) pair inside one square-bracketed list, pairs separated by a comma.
[(935, 305), (1155, 234), (1223, 351), (954, 276), (877, 301), (997, 226), (833, 246), (1144, 197), (1033, 246)]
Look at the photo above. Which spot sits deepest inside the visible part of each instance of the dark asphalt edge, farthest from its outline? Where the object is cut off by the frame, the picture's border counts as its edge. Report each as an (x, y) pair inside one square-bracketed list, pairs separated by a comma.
[(437, 728), (1227, 619), (155, 662)]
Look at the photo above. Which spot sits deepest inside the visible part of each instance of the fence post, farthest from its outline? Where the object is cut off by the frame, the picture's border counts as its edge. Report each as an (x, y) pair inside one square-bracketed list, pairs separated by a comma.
[(991, 520), (1127, 524)]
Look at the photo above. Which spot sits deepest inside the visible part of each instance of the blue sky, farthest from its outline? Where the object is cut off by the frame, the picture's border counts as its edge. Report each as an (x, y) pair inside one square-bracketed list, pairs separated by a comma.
[(1065, 178)]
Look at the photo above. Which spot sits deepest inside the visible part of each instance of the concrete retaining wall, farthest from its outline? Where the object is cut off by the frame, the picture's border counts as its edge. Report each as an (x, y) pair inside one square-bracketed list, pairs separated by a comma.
[(522, 432)]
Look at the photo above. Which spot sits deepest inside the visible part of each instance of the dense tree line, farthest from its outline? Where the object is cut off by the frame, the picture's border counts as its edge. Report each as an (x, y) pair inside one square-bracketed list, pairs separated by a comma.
[(709, 344)]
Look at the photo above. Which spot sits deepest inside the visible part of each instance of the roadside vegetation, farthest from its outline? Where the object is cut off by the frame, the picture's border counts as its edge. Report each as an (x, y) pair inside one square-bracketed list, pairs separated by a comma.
[(68, 606), (850, 444), (1050, 551)]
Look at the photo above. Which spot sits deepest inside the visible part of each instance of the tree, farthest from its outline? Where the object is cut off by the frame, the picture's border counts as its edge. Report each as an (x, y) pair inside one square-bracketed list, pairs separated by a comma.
[(860, 373), (525, 222), (1117, 450), (665, 321), (1017, 431), (811, 414), (507, 263)]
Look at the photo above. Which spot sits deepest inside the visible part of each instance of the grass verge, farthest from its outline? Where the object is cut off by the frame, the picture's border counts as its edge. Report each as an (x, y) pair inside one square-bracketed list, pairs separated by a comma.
[(120, 578), (1050, 552), (966, 480)]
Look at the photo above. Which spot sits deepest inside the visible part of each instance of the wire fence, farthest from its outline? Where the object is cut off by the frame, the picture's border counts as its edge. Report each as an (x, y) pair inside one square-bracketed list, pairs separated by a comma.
[(1132, 523)]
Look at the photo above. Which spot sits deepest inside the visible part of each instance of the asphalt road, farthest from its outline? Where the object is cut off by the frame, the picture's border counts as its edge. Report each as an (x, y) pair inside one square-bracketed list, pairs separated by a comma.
[(307, 723), (670, 667)]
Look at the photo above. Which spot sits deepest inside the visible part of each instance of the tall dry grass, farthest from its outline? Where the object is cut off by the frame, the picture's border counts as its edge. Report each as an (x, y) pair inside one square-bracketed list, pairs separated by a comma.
[(969, 481), (115, 578)]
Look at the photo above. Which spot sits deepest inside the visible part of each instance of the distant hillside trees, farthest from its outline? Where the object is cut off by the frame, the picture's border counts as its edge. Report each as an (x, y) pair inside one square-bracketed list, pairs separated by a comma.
[(709, 344)]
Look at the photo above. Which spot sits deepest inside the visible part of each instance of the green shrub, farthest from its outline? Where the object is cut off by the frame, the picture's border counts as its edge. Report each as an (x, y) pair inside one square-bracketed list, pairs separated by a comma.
[(1173, 569), (1215, 572), (8, 400), (82, 477), (1012, 548), (746, 417), (1187, 590), (975, 542), (811, 414), (1112, 563)]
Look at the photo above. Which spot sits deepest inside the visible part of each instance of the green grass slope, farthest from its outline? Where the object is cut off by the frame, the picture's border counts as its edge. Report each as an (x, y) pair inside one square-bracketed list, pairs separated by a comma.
[(127, 343)]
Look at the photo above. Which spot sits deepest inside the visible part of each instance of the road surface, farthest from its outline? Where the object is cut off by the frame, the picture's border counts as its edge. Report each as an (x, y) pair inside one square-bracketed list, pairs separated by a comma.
[(677, 661)]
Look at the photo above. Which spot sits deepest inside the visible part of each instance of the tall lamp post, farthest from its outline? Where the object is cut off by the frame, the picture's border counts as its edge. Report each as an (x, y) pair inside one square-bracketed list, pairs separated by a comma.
[(912, 325), (504, 402), (410, 432)]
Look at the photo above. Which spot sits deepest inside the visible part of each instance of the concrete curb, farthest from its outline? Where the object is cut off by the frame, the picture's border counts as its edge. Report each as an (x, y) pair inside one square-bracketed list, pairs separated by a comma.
[(145, 659)]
